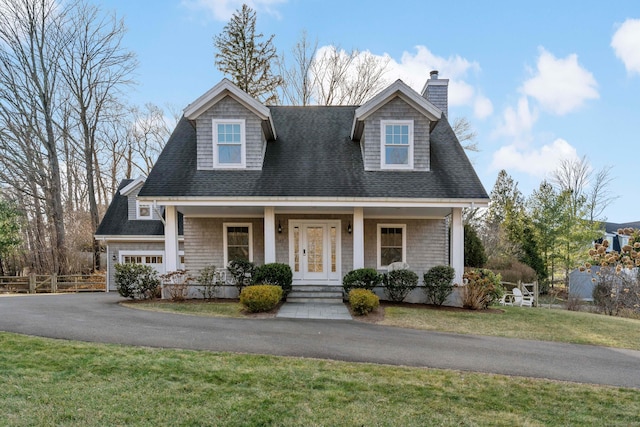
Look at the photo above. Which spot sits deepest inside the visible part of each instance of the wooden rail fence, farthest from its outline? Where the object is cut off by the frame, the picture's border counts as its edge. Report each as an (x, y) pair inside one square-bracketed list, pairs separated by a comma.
[(37, 283)]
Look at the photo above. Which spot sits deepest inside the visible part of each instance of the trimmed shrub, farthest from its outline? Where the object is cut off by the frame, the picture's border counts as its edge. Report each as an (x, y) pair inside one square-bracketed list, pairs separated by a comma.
[(275, 274), (242, 272), (208, 281), (260, 298), (482, 290), (136, 281), (363, 301), (398, 284), (438, 283), (362, 278)]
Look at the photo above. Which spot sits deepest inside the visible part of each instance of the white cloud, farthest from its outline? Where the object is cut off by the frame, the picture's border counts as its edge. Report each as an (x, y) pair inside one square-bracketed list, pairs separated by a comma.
[(560, 85), (537, 162), (414, 69), (516, 124), (222, 10), (626, 44), (482, 107)]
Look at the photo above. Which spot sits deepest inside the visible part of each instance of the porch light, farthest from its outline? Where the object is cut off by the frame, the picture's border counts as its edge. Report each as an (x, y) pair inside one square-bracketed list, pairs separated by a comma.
[(114, 257), (279, 227), (349, 228)]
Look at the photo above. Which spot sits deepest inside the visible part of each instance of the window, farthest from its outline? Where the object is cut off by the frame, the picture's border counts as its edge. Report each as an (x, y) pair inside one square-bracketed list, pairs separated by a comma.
[(229, 143), (396, 144), (392, 244), (143, 210), (238, 242)]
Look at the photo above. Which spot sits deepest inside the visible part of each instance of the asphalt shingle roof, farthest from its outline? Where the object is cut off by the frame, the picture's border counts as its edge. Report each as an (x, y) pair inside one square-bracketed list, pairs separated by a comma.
[(116, 220), (314, 157)]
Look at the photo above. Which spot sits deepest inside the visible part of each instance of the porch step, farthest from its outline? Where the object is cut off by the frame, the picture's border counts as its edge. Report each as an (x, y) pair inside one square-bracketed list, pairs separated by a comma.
[(315, 294)]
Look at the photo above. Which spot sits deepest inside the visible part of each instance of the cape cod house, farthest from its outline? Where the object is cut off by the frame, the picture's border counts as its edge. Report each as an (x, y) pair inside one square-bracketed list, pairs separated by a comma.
[(325, 189)]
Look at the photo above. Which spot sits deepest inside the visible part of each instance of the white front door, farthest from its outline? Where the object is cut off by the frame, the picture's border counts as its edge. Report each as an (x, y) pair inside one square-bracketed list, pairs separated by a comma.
[(314, 251)]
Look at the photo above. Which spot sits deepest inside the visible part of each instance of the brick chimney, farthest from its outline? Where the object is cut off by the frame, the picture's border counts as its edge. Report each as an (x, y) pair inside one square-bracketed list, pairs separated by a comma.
[(436, 91)]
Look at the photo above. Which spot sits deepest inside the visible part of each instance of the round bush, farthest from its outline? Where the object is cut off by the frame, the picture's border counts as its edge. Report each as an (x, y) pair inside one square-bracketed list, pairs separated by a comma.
[(398, 284), (363, 301), (275, 274), (136, 281), (260, 298), (438, 283), (362, 278)]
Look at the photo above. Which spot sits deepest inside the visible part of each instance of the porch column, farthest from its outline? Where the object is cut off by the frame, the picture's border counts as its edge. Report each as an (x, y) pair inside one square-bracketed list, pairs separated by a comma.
[(170, 239), (457, 244), (358, 238), (269, 234)]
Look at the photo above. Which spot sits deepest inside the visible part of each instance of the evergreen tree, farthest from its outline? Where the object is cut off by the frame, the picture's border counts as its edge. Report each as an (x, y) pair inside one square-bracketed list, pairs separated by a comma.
[(474, 255), (246, 59), (9, 230)]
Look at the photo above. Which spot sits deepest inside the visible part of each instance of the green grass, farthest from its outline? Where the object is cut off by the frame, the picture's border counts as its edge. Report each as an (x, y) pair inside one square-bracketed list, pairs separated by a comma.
[(52, 382), (193, 307), (527, 323)]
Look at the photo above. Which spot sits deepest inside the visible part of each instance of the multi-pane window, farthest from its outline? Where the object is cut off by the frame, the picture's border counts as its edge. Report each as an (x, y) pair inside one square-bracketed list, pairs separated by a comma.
[(391, 244), (229, 148), (237, 241), (396, 144)]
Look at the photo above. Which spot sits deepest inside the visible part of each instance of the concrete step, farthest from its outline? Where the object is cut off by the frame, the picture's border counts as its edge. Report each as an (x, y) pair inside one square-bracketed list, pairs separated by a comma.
[(315, 300), (315, 294), (312, 294)]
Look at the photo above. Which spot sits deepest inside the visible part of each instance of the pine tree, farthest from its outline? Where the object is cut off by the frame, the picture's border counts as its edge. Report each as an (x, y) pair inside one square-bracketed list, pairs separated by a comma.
[(245, 59)]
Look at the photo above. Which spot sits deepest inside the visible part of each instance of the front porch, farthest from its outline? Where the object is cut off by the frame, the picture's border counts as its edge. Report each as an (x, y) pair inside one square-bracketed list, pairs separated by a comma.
[(320, 244)]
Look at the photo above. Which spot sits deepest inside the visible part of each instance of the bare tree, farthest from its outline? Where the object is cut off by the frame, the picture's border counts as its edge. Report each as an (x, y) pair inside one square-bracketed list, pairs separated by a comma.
[(148, 133), (32, 33), (297, 85), (585, 187), (346, 78), (466, 134), (95, 67)]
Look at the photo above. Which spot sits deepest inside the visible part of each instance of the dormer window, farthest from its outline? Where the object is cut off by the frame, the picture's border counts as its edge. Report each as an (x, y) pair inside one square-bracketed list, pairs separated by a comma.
[(229, 142), (143, 210), (396, 144)]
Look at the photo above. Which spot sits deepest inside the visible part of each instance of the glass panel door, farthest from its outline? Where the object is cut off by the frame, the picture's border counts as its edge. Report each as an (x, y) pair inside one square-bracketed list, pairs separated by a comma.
[(314, 246)]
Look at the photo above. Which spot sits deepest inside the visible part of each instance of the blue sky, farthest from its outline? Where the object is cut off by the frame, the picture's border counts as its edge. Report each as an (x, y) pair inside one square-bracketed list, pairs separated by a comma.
[(539, 81)]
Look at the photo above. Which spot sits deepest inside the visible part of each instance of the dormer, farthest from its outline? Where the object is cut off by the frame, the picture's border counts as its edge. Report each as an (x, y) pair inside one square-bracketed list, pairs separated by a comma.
[(138, 210), (393, 129), (232, 128)]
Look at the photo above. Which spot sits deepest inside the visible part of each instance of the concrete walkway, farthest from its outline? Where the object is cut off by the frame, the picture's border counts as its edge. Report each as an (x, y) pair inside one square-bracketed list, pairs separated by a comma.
[(99, 318), (320, 311)]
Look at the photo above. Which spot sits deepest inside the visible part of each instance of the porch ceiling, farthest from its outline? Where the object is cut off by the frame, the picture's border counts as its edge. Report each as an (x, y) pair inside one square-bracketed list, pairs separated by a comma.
[(369, 212)]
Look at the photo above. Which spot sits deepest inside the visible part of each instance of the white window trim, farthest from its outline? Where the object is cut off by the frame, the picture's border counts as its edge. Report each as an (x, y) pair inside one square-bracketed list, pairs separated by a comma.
[(138, 205), (243, 144), (383, 162), (379, 243), (225, 250), (143, 253)]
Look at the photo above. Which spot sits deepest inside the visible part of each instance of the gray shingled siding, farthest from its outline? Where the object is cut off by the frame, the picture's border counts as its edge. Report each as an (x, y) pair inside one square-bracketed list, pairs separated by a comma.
[(204, 241), (229, 108), (437, 95), (427, 243), (132, 207), (282, 239), (396, 109), (116, 247)]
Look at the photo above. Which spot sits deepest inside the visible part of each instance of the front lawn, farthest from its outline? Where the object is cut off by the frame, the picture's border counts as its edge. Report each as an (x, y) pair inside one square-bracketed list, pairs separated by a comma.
[(194, 307), (65, 383), (521, 322)]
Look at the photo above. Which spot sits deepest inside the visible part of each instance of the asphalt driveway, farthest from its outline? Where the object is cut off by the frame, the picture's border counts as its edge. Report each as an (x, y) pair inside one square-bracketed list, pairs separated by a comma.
[(99, 318)]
